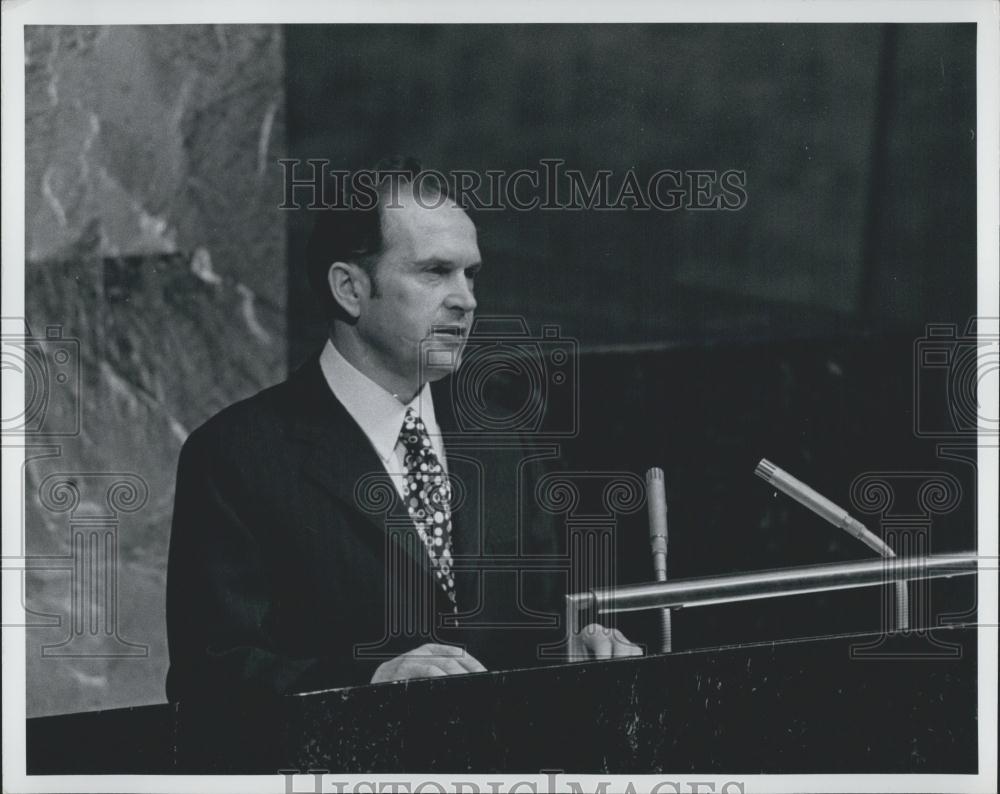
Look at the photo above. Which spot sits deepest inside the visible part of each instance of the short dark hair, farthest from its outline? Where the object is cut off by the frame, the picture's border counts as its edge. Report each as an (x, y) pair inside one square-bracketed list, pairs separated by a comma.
[(349, 233)]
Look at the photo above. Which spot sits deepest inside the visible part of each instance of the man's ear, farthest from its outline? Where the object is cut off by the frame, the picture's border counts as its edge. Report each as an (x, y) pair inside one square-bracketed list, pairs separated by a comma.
[(348, 283)]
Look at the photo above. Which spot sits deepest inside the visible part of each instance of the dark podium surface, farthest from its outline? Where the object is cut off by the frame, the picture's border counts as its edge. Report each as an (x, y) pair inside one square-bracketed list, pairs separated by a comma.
[(849, 704)]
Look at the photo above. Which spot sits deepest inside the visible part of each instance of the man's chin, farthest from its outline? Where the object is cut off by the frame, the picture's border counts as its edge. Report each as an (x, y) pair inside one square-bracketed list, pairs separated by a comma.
[(440, 362)]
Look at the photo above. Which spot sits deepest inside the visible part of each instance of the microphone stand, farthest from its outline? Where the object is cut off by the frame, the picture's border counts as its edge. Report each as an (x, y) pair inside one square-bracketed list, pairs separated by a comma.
[(656, 502), (840, 518)]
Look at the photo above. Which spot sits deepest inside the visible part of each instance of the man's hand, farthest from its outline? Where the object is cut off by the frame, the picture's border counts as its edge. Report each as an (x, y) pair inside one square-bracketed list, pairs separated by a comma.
[(428, 661), (597, 642)]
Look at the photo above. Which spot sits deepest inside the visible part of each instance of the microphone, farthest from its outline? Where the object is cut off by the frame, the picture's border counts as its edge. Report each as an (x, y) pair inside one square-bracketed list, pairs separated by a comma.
[(840, 518), (656, 503)]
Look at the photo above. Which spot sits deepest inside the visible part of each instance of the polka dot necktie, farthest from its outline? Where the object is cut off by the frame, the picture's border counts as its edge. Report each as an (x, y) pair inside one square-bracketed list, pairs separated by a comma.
[(427, 495)]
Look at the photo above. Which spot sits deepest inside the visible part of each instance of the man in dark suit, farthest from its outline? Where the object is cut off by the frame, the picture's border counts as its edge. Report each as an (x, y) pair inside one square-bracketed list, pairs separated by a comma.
[(339, 528)]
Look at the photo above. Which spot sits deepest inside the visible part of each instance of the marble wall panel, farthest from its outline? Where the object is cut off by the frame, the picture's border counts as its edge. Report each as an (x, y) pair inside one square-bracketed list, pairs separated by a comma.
[(155, 247), (157, 139)]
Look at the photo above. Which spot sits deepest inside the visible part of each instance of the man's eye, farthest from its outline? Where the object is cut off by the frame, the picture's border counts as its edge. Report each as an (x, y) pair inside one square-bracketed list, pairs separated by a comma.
[(439, 271)]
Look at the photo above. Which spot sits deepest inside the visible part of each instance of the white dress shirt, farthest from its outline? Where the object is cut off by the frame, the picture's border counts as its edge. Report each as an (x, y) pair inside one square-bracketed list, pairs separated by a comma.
[(379, 413)]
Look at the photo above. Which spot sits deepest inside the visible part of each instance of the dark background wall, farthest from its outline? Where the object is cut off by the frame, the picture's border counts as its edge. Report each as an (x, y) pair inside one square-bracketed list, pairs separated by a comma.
[(707, 340), (857, 142)]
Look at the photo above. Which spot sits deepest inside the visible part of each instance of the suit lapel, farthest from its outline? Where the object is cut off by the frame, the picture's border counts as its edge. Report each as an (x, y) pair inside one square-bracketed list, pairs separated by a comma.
[(337, 456)]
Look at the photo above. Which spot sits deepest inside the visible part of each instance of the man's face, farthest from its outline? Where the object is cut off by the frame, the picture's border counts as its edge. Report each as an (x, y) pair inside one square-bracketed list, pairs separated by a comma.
[(425, 299)]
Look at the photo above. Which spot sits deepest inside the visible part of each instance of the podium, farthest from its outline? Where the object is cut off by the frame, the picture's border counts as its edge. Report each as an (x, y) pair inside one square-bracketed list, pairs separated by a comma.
[(805, 706)]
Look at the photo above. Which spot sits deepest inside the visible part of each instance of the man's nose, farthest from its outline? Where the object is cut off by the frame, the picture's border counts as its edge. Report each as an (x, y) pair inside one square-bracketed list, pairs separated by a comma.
[(462, 297)]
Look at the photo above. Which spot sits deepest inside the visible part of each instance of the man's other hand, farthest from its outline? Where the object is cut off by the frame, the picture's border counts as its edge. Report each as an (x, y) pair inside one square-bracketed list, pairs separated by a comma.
[(428, 661), (597, 642)]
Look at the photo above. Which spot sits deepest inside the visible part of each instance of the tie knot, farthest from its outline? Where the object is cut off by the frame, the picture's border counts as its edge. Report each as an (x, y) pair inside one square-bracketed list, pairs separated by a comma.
[(413, 434)]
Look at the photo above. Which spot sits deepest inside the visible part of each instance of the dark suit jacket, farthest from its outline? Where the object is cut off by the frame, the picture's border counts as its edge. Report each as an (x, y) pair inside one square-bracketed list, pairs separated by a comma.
[(293, 565)]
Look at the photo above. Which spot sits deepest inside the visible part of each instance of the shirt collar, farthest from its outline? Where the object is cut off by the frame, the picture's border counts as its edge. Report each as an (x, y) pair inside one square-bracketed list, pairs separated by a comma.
[(377, 412)]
